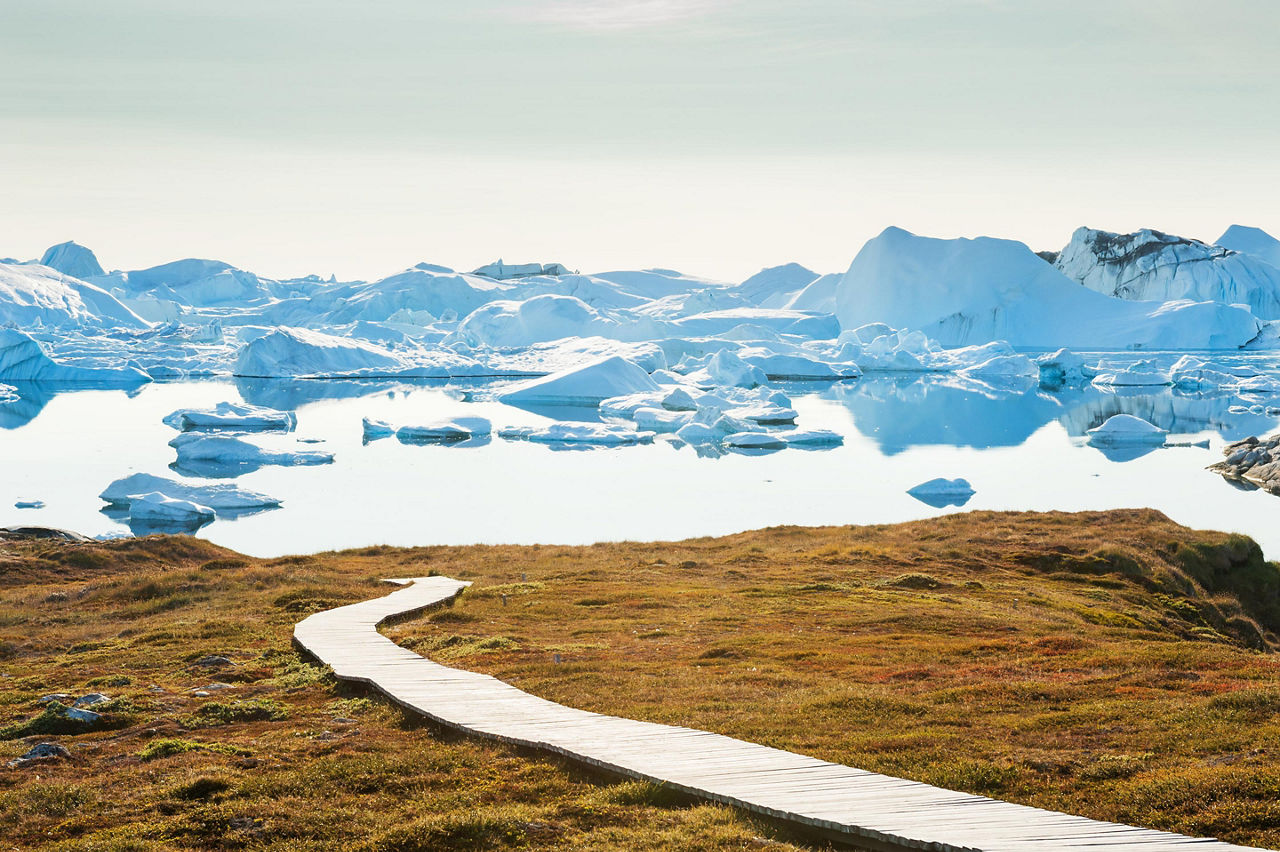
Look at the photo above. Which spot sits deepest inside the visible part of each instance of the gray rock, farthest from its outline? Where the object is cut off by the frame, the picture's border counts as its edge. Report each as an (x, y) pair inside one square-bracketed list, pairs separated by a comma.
[(87, 716), (61, 697), (213, 661), (39, 752), (91, 699)]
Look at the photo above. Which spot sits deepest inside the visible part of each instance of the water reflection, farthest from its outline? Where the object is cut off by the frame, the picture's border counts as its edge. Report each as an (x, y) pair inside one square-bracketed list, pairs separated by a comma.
[(901, 412)]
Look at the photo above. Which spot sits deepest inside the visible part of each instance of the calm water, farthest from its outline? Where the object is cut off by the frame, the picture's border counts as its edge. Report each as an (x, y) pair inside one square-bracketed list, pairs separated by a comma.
[(1020, 450)]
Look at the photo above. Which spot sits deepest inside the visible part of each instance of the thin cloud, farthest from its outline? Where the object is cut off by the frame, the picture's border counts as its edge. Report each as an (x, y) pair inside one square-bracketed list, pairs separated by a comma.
[(616, 15)]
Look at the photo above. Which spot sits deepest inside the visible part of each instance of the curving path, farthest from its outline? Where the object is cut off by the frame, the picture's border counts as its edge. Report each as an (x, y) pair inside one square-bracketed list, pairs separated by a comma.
[(859, 807)]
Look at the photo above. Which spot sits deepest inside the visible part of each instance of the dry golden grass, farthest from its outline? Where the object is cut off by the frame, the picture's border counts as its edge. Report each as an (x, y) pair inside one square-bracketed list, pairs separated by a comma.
[(1109, 664)]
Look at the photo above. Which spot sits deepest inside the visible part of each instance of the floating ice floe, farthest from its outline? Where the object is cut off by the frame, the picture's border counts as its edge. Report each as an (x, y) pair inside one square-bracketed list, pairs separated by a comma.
[(195, 448), (590, 434), (222, 497), (446, 431), (231, 415), (157, 509), (374, 429), (942, 492), (1061, 368), (1137, 374), (1127, 430), (588, 385)]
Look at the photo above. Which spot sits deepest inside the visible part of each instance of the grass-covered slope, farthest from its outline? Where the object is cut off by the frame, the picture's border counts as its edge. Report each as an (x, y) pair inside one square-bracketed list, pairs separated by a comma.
[(1110, 664)]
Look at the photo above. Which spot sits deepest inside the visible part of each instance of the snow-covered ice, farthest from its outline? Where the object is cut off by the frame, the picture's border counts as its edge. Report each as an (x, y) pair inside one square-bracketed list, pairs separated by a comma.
[(445, 431), (220, 496), (586, 434), (157, 508), (232, 416), (1122, 430), (589, 384), (198, 450)]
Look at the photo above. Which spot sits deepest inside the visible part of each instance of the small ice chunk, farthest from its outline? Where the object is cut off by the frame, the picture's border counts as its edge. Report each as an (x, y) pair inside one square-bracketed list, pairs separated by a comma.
[(374, 429), (1127, 430), (810, 438), (942, 492), (28, 503)]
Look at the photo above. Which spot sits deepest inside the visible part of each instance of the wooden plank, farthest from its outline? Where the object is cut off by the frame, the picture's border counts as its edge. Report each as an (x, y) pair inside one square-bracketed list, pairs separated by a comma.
[(860, 806)]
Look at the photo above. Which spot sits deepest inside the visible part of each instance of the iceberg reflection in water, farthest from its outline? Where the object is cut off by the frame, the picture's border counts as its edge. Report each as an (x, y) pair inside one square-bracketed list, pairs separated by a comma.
[(1020, 447)]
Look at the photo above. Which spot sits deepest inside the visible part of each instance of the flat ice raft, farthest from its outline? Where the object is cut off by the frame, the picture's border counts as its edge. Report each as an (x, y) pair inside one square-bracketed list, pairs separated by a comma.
[(231, 415), (586, 434), (226, 450)]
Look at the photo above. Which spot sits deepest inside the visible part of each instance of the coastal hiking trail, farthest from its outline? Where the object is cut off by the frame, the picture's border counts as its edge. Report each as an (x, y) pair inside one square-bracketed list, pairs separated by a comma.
[(837, 802)]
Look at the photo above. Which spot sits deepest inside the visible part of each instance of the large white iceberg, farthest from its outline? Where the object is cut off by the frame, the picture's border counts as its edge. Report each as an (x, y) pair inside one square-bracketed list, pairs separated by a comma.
[(1154, 266), (967, 291), (510, 324), (1252, 241), (23, 360), (71, 258), (33, 295), (588, 385)]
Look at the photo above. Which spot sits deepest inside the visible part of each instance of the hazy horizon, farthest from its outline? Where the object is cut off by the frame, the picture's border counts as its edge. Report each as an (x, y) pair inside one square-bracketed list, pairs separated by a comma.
[(713, 136)]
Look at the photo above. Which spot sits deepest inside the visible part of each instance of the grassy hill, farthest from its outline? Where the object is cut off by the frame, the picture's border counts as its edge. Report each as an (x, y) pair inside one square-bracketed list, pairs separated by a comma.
[(1111, 664)]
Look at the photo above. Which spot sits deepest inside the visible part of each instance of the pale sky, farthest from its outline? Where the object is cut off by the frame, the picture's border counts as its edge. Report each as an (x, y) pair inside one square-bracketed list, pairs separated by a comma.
[(712, 136)]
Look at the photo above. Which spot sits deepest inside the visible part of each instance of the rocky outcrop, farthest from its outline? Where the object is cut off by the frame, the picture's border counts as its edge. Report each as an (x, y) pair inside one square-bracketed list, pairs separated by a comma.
[(1253, 460)]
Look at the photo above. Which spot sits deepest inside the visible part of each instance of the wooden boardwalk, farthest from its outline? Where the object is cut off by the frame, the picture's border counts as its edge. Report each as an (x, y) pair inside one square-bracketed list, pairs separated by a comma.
[(862, 808)]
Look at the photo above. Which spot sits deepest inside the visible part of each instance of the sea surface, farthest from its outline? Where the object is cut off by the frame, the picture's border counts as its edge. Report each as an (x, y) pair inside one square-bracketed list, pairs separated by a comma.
[(1021, 449)]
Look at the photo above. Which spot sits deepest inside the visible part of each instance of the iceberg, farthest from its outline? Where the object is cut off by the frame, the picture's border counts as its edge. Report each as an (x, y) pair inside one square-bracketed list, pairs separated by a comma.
[(198, 450), (942, 492), (194, 282), (725, 369), (375, 429), (22, 359), (289, 352), (157, 508), (1126, 430), (588, 385), (446, 431), (754, 441), (221, 497), (72, 259), (511, 324), (589, 434), (499, 270), (33, 295), (230, 415), (1254, 242), (775, 286), (1151, 265), (794, 367), (1137, 374), (966, 291)]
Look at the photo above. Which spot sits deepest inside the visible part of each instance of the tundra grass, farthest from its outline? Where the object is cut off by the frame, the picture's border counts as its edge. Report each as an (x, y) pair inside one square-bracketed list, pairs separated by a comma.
[(1114, 665)]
